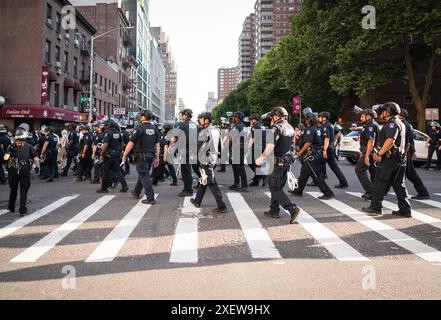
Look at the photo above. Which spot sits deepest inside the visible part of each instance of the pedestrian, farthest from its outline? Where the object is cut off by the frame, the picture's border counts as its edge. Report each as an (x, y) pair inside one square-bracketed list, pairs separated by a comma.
[(84, 171), (196, 166), (434, 145), (97, 144), (411, 173), (163, 164), (283, 155), (110, 156), (72, 147), (4, 144), (145, 141), (223, 143), (62, 154), (49, 154), (125, 137), (258, 144), (312, 159), (238, 154), (391, 159), (208, 155), (44, 170), (368, 145), (328, 136), (19, 156)]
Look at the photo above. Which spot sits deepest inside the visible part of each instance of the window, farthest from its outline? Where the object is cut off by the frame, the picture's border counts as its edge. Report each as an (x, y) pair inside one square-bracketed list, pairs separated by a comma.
[(57, 95), (47, 52), (66, 96), (105, 85), (49, 15), (101, 81), (96, 77), (58, 22), (57, 54), (83, 67), (75, 67), (75, 99), (66, 62)]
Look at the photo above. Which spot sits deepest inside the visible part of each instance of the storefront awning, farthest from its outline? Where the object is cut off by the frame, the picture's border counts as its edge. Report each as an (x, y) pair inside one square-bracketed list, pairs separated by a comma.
[(39, 112)]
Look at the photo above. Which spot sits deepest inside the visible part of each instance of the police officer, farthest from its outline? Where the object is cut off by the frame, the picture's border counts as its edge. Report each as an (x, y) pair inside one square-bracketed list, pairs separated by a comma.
[(368, 143), (391, 160), (145, 140), (223, 143), (163, 164), (4, 144), (49, 153), (110, 156), (411, 173), (97, 144), (258, 146), (44, 170), (196, 166), (238, 160), (281, 147), (18, 156), (85, 148), (328, 135), (208, 156), (125, 137), (189, 128), (72, 147), (312, 159), (434, 144)]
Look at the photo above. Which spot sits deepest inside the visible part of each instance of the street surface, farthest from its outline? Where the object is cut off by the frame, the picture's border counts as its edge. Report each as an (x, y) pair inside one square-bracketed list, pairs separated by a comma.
[(81, 245)]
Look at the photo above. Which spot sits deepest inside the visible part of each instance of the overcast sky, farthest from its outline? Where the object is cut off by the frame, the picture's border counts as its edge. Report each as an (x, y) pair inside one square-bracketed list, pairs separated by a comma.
[(204, 37)]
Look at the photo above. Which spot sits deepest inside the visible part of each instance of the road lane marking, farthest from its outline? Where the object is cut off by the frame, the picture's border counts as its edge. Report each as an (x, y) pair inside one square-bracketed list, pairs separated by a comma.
[(2, 212), (420, 249), (112, 245), (431, 203), (185, 242), (437, 194), (415, 214), (260, 243), (17, 225), (328, 239), (33, 253)]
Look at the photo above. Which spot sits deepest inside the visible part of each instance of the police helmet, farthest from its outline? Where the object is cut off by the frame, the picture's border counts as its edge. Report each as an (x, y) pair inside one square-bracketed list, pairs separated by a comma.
[(307, 111), (201, 115), (325, 114), (96, 124), (434, 124), (310, 119), (167, 127), (207, 116), (370, 112), (391, 107), (279, 111), (239, 114), (44, 129), (338, 128), (187, 112), (21, 134), (148, 114), (404, 113), (2, 129), (50, 129), (255, 116), (85, 127)]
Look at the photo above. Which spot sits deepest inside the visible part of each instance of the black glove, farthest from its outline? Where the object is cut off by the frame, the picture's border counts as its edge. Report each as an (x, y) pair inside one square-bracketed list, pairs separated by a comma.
[(37, 170)]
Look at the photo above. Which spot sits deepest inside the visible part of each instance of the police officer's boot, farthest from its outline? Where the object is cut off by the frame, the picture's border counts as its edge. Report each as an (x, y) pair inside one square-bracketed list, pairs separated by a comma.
[(294, 212), (264, 182), (272, 214), (125, 188), (254, 183)]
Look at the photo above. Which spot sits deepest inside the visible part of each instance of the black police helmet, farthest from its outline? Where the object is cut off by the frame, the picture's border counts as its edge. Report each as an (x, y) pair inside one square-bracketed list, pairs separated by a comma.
[(325, 114), (2, 129), (370, 112), (188, 112), (404, 113), (311, 119), (239, 114), (255, 116), (279, 111), (21, 134), (391, 107), (148, 114), (167, 127), (207, 116)]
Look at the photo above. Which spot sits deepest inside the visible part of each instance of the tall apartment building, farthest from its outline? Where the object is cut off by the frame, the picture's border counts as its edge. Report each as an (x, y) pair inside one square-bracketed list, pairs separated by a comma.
[(44, 68), (227, 81), (170, 74), (211, 102), (157, 81), (247, 47), (272, 22)]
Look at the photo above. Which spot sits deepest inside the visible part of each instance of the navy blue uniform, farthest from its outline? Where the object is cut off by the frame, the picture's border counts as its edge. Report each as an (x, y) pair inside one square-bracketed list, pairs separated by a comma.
[(126, 138), (434, 145), (72, 150), (328, 131), (312, 163), (145, 137), (86, 162), (4, 144), (370, 132), (164, 165), (51, 156), (390, 171), (258, 134), (190, 130), (238, 160), (112, 159), (97, 167)]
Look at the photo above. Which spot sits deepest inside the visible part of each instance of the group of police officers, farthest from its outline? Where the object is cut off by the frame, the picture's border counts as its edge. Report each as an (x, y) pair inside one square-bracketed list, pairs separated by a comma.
[(387, 155)]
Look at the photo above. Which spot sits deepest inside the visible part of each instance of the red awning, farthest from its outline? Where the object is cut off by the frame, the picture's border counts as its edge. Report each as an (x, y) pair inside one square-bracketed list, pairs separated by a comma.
[(78, 86), (53, 76), (68, 83), (39, 112)]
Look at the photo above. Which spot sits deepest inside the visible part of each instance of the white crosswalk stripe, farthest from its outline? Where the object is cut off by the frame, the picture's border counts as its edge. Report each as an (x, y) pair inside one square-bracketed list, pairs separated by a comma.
[(420, 249), (109, 248), (415, 214), (2, 212), (185, 242), (17, 225), (260, 243), (33, 253), (437, 194), (328, 239), (431, 203)]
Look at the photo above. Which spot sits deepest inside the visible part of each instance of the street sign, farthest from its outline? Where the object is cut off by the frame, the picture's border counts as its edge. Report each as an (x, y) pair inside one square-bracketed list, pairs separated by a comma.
[(296, 105), (85, 99), (119, 111), (432, 114)]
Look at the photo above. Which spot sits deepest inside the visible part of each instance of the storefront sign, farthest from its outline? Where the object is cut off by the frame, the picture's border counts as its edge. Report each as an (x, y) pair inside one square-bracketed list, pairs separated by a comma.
[(39, 112), (45, 85)]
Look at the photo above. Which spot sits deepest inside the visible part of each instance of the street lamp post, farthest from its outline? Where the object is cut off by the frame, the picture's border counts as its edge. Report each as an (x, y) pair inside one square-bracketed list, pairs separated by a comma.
[(91, 98)]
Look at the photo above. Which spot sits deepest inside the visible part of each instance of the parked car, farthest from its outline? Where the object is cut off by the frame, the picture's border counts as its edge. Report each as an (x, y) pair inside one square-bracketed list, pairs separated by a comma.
[(350, 147)]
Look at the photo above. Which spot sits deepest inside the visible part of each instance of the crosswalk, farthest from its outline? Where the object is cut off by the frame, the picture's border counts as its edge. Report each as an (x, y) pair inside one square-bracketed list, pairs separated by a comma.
[(257, 231)]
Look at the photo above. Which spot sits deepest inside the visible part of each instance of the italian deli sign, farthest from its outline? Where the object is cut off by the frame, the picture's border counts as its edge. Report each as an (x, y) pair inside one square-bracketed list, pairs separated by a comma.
[(39, 112)]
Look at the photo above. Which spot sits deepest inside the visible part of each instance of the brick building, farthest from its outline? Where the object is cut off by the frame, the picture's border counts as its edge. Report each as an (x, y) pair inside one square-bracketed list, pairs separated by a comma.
[(227, 81)]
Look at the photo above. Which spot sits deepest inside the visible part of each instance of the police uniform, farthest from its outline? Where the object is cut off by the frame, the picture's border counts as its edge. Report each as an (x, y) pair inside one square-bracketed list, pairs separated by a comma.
[(51, 156), (145, 137), (434, 145), (86, 163), (125, 138), (190, 129), (72, 150), (283, 133), (112, 159), (209, 138), (163, 165), (370, 132), (44, 170), (390, 170), (238, 164), (4, 144), (97, 166), (327, 131), (312, 163), (257, 132), (19, 174)]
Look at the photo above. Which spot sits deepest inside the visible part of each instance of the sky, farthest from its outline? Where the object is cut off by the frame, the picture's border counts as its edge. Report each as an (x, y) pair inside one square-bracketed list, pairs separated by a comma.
[(204, 36)]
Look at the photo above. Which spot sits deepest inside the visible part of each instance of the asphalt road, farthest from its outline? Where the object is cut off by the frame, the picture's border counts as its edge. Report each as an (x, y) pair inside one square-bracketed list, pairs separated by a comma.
[(81, 245)]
